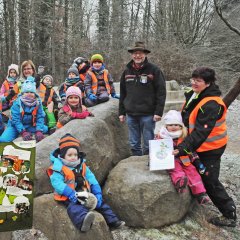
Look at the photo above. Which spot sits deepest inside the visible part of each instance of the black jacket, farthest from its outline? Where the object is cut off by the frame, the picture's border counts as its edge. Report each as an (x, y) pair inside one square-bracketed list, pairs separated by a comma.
[(143, 91), (207, 116)]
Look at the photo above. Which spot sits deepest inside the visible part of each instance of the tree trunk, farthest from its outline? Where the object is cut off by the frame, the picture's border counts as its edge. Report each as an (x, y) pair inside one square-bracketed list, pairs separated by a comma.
[(232, 94)]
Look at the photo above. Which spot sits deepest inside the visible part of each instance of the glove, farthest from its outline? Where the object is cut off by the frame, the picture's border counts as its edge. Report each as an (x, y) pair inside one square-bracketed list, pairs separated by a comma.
[(81, 115), (92, 97), (39, 136), (96, 190), (10, 95), (115, 95), (26, 135), (70, 193)]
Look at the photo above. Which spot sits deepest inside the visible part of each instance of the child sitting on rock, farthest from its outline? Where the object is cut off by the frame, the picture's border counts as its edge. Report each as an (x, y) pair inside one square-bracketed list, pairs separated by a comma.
[(8, 85), (73, 182), (50, 101), (184, 172), (98, 83), (72, 79), (72, 108), (27, 115)]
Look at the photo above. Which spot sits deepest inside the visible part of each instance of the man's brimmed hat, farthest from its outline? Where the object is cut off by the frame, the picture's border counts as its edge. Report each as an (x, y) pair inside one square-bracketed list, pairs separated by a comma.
[(139, 46)]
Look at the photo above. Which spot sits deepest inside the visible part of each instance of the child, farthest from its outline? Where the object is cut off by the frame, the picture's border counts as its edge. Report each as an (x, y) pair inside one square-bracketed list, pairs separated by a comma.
[(98, 83), (82, 64), (72, 108), (8, 84), (184, 172), (70, 175), (27, 115), (72, 79), (50, 101)]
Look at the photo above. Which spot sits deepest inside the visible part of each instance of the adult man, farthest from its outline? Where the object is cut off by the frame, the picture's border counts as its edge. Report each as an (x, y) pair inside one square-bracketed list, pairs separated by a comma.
[(142, 98)]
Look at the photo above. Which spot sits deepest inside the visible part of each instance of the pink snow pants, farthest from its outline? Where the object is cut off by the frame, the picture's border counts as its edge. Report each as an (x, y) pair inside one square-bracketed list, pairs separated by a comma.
[(194, 179)]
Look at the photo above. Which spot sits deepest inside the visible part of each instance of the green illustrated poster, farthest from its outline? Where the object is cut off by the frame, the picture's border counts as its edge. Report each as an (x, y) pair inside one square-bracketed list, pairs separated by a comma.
[(17, 166)]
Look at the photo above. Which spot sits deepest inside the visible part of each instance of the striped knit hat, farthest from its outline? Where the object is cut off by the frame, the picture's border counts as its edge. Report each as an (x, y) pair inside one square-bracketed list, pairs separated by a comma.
[(66, 142)]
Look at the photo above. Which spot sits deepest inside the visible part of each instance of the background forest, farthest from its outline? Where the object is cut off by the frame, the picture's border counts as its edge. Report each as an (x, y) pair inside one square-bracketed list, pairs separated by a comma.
[(54, 32)]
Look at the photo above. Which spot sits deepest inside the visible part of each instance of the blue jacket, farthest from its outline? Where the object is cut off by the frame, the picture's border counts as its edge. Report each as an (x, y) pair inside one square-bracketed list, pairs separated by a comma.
[(21, 123), (57, 179)]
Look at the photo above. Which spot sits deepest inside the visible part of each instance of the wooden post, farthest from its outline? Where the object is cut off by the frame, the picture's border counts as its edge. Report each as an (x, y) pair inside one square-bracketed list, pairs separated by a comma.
[(232, 94)]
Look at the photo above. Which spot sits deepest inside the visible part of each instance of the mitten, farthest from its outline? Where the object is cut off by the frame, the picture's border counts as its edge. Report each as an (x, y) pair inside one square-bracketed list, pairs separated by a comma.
[(26, 135), (39, 136), (96, 190), (92, 97), (70, 193), (115, 95), (10, 95)]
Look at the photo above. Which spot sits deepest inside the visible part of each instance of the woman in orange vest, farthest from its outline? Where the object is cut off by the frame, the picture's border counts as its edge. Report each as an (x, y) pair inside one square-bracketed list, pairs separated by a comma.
[(98, 83), (184, 173), (8, 84), (204, 113)]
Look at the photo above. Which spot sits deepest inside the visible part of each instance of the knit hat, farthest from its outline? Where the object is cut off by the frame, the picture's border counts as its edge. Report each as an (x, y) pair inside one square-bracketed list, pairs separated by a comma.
[(73, 70), (47, 76), (73, 91), (29, 85), (66, 142), (97, 58), (173, 117), (13, 67)]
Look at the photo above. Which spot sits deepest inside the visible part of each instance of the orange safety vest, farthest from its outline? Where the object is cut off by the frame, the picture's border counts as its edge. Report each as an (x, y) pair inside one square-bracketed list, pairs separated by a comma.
[(95, 81), (42, 92), (218, 136), (82, 76), (74, 85), (69, 179), (7, 87), (184, 159), (34, 115)]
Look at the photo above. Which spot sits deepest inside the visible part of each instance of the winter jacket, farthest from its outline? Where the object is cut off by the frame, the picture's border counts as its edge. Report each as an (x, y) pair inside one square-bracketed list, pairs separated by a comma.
[(206, 119), (22, 117), (5, 88), (143, 91), (58, 180), (63, 88), (67, 114), (97, 83)]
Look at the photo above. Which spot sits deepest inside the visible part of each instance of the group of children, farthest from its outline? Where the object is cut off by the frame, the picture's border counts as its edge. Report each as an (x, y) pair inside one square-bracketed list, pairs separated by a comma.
[(35, 107)]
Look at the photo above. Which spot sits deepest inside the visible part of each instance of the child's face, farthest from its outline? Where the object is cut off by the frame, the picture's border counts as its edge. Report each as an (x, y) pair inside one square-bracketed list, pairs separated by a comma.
[(47, 81), (71, 75), (12, 73), (73, 100), (71, 155), (97, 65), (29, 95), (173, 127), (28, 71)]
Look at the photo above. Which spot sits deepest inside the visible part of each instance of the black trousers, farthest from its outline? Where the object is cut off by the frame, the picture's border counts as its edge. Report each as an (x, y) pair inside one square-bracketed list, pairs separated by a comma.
[(214, 187)]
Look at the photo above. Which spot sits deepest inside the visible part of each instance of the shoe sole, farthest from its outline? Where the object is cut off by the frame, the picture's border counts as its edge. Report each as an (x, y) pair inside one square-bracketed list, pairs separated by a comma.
[(87, 222)]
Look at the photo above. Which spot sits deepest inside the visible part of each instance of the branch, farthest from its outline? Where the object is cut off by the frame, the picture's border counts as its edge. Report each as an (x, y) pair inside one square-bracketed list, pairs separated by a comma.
[(232, 94), (219, 12)]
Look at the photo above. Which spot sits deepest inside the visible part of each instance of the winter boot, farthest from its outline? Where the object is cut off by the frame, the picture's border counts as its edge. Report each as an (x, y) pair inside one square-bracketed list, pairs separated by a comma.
[(223, 221), (87, 222), (117, 225), (181, 184)]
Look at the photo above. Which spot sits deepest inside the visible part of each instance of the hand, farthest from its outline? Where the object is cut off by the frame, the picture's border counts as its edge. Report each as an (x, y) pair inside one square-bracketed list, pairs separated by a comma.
[(157, 136), (92, 97), (156, 118), (26, 135), (115, 95), (39, 136), (175, 152), (122, 118)]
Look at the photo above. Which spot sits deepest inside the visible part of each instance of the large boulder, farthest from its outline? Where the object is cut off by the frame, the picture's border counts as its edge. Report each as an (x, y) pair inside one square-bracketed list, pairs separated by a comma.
[(103, 138), (143, 198), (52, 219)]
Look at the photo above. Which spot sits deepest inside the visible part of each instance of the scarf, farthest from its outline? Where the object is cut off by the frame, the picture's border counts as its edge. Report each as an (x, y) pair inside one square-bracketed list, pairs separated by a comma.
[(72, 164), (71, 81), (98, 71), (30, 102), (11, 79), (164, 133), (137, 66)]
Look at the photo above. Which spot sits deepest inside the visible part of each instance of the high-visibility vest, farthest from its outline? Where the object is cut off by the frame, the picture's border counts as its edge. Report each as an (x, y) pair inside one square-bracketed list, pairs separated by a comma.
[(7, 87), (218, 136), (42, 92), (74, 85), (184, 159), (69, 179), (95, 81)]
